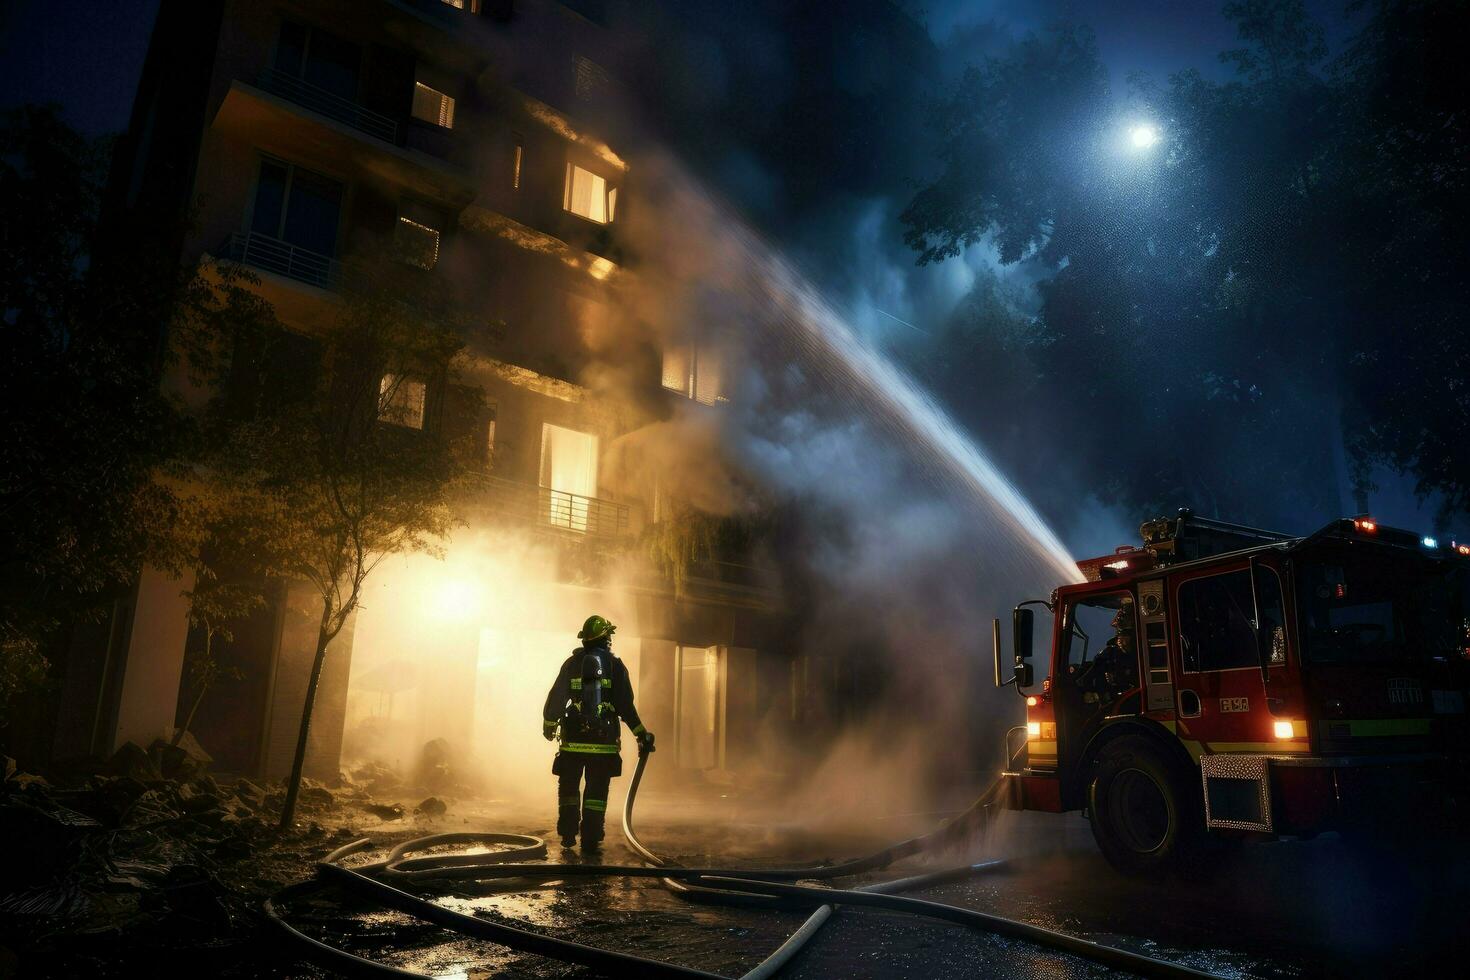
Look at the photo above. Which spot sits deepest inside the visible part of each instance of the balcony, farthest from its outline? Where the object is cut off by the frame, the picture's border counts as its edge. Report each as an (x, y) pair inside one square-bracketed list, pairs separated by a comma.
[(554, 510), (338, 137), (284, 259), (325, 103)]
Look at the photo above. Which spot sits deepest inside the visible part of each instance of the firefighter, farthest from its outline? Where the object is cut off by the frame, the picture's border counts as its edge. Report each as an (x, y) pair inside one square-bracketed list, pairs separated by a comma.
[(1117, 661), (591, 695)]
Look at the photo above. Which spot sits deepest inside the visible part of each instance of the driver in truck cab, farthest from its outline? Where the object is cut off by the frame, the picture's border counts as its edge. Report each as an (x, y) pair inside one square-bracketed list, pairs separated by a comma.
[(1114, 671)]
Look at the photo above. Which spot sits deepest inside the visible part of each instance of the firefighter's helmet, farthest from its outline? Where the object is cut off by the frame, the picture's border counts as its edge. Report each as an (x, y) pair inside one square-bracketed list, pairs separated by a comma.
[(596, 628)]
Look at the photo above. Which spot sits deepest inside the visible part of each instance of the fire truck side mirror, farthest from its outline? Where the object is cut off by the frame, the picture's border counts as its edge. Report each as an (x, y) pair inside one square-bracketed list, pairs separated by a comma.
[(995, 647), (1021, 623), (1021, 636)]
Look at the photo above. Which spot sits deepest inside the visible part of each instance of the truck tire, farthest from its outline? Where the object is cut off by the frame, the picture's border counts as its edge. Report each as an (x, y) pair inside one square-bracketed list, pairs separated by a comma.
[(1147, 814)]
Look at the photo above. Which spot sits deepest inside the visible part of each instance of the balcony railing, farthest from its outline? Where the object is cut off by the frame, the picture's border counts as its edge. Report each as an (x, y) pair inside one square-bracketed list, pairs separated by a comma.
[(283, 258), (555, 509), (319, 100)]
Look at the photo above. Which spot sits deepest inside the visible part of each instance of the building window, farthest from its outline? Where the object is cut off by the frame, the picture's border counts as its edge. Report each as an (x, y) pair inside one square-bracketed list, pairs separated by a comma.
[(589, 195), (695, 371), (432, 106), (320, 59), (473, 6), (569, 474), (490, 433), (417, 244), (591, 79), (401, 401), (417, 235), (515, 172), (298, 207)]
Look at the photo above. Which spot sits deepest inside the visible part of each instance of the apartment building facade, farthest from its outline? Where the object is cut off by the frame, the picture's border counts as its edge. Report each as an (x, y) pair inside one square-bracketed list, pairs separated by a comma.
[(479, 140)]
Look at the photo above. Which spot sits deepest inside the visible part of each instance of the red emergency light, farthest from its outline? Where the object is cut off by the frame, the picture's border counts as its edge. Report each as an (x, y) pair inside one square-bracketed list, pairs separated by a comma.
[(1364, 524)]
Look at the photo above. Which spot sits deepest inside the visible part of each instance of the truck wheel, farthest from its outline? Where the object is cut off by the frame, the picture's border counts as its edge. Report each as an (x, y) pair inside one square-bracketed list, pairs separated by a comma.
[(1147, 815)]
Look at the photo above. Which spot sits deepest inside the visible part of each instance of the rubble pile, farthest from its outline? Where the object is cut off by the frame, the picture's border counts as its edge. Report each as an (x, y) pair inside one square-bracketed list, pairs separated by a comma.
[(147, 851), (150, 857)]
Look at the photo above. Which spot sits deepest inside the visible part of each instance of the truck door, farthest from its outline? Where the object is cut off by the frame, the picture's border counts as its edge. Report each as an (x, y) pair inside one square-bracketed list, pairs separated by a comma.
[(1222, 697), (1094, 677)]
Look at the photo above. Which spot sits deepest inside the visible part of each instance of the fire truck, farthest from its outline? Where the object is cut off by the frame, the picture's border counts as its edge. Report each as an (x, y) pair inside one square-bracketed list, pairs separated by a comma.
[(1221, 683)]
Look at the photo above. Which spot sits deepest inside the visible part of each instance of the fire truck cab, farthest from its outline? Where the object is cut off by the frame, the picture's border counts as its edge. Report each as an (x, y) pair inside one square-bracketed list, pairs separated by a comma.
[(1226, 682)]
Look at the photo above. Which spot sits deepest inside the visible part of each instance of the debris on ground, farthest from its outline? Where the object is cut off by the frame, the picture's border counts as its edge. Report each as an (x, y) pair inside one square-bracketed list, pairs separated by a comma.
[(385, 811), (146, 854), (432, 807), (436, 771), (149, 854)]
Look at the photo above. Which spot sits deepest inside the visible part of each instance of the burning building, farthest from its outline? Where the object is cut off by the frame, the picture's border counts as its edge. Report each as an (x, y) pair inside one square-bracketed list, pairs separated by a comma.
[(296, 136)]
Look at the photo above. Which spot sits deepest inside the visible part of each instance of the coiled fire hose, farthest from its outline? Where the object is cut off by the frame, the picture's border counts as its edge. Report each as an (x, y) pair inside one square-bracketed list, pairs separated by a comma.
[(521, 860)]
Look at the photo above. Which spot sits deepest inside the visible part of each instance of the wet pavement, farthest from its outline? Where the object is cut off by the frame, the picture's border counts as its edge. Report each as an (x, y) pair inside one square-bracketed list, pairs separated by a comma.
[(1284, 909)]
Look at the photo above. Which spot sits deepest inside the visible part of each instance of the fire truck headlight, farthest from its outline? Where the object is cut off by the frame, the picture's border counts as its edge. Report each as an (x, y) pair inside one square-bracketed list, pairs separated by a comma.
[(1033, 729), (1285, 729)]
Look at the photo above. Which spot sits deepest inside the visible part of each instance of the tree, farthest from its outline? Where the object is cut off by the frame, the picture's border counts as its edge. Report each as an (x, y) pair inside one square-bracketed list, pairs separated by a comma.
[(1212, 304), (1407, 144), (328, 452), (90, 438)]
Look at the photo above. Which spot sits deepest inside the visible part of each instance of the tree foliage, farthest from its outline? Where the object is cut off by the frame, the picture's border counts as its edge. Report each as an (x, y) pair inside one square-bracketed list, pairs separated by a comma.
[(1269, 289), (325, 451), (88, 431)]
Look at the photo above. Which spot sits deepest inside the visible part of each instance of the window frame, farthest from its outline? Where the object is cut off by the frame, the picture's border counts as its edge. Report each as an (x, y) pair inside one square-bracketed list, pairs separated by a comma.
[(418, 215), (267, 159), (1249, 569), (445, 99), (1069, 618), (690, 386), (609, 194), (423, 406)]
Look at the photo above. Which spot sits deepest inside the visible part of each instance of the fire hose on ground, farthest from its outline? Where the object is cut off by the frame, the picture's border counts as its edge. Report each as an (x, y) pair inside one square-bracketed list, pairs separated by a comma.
[(523, 859)]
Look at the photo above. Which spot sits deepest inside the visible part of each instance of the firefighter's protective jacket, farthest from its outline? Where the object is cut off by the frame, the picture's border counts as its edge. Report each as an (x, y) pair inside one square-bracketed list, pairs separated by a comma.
[(566, 693)]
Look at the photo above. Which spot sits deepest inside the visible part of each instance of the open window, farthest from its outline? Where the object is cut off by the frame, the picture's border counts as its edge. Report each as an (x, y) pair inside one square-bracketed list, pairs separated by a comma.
[(416, 237), (401, 401), (432, 106), (568, 476), (589, 195), (1100, 637)]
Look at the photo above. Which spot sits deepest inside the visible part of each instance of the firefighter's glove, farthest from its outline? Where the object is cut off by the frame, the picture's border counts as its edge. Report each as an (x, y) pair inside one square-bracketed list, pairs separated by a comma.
[(548, 730), (645, 742)]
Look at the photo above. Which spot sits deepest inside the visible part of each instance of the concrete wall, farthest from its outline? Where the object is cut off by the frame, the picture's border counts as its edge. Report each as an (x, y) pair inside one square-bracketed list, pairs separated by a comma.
[(300, 617), (155, 660)]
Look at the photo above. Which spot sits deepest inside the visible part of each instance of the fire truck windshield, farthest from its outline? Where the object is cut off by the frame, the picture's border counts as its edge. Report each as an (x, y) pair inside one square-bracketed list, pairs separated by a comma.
[(1384, 609)]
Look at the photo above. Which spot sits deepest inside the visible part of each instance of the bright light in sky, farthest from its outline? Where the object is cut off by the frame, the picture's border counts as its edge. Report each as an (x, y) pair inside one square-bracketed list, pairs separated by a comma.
[(1143, 136)]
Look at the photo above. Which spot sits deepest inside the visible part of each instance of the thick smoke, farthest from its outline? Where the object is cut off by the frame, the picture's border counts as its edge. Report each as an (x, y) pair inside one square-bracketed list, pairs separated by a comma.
[(891, 538), (900, 540)]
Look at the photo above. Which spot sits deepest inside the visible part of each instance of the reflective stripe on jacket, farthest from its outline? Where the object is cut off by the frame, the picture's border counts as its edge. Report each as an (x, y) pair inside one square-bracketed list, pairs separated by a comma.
[(617, 691)]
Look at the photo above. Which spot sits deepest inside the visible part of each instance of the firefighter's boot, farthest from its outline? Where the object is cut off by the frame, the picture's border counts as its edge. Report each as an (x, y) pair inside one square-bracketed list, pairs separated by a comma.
[(566, 818), (594, 813)]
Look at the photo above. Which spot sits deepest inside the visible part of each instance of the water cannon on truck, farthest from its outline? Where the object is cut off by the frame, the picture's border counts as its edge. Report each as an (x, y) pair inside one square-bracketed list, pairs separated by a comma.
[(1222, 683)]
